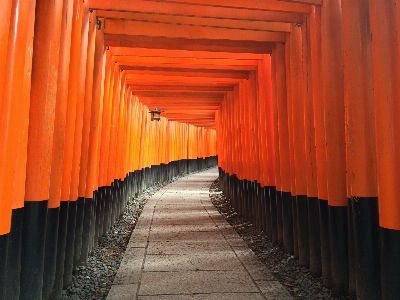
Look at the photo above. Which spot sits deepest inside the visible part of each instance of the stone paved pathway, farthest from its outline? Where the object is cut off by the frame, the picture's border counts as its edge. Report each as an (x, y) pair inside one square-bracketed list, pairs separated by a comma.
[(182, 248)]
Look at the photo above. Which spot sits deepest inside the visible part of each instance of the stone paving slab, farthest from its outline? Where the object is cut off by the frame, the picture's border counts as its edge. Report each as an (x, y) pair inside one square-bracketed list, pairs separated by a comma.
[(182, 248), (155, 283), (169, 247), (129, 271), (180, 220), (123, 292), (206, 261), (205, 233), (160, 229), (214, 296)]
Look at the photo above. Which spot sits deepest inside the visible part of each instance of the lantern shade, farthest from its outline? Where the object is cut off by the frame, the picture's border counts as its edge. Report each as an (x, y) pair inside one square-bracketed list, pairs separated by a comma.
[(155, 114)]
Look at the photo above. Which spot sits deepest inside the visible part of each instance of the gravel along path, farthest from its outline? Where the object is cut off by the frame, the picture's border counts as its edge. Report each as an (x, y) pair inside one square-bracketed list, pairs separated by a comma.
[(94, 280), (283, 266)]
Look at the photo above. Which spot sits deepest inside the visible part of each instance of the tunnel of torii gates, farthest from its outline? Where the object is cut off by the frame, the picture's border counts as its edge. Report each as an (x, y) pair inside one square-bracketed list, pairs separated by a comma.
[(296, 99)]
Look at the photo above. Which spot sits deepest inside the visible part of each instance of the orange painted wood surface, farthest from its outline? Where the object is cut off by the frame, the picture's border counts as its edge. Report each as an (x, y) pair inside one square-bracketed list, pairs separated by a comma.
[(80, 105), (333, 95), (279, 81), (386, 90), (60, 121), (186, 9), (12, 88), (358, 93), (43, 97), (75, 50), (309, 127)]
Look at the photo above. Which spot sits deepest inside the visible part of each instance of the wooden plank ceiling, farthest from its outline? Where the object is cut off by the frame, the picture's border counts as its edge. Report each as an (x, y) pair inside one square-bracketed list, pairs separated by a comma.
[(183, 56)]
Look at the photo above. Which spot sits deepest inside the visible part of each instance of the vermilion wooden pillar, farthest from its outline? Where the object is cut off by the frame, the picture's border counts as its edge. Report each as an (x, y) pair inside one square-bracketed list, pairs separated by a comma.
[(84, 144), (384, 17), (13, 67), (273, 153), (45, 63), (319, 125), (120, 166), (310, 153), (79, 93), (284, 153), (358, 92), (89, 145), (57, 210), (242, 174), (18, 189), (106, 122), (255, 144), (264, 90), (115, 118), (297, 114), (93, 203), (14, 117), (67, 213), (5, 18), (289, 87), (260, 88), (334, 117), (105, 116)]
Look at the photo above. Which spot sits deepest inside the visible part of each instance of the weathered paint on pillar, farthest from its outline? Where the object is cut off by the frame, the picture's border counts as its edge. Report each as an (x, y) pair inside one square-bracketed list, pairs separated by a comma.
[(333, 97), (384, 17)]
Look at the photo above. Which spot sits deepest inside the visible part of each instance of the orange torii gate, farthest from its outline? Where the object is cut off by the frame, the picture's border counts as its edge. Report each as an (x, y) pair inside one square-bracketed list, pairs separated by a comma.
[(297, 99)]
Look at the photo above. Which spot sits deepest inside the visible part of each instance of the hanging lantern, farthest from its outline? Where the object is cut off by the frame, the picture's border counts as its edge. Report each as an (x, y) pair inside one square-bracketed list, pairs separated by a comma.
[(155, 114)]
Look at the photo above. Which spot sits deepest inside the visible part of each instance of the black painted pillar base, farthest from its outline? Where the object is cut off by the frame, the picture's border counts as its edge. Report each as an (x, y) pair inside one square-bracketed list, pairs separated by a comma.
[(78, 230), (107, 209), (259, 207), (12, 289), (61, 245), (302, 230), (325, 243), (87, 233), (50, 251), (250, 202), (287, 222), (255, 206), (32, 251), (114, 198), (96, 226), (234, 191), (366, 236), (245, 200), (97, 216), (227, 185), (279, 221), (267, 212), (274, 216), (390, 263), (69, 248), (352, 259), (339, 250), (240, 198), (229, 188), (295, 231), (314, 237), (4, 240), (93, 210)]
